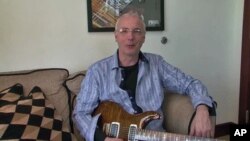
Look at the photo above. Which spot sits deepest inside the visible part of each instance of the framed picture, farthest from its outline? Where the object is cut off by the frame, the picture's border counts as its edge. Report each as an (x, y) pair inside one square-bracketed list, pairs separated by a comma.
[(102, 14)]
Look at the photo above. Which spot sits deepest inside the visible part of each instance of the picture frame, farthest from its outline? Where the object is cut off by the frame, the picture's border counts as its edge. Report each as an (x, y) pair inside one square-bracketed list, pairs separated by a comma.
[(102, 14)]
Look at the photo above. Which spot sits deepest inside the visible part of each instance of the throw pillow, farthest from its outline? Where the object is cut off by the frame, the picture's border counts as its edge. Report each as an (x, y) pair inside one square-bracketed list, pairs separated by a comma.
[(14, 93), (30, 118)]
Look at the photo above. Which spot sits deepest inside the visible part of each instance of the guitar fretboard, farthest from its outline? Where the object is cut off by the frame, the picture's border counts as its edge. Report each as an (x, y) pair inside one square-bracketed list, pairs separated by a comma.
[(149, 135)]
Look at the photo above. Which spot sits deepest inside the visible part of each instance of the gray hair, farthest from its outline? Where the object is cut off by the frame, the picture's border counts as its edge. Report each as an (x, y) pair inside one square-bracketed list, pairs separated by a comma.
[(131, 11)]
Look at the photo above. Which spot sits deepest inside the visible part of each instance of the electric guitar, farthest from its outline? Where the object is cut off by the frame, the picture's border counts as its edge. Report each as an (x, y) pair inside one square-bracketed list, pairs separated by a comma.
[(117, 123)]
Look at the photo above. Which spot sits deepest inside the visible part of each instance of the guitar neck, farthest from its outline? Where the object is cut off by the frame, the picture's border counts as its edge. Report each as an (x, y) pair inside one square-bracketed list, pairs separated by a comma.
[(148, 135)]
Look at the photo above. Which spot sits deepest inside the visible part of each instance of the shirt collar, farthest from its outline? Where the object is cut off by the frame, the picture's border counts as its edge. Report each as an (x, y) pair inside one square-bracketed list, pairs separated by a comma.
[(115, 64)]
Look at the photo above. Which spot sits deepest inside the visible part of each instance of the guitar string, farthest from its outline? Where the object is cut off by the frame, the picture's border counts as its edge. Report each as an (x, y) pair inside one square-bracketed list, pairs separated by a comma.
[(165, 135)]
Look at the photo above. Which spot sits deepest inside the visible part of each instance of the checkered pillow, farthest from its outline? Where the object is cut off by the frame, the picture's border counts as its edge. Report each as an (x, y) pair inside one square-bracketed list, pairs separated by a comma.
[(31, 117)]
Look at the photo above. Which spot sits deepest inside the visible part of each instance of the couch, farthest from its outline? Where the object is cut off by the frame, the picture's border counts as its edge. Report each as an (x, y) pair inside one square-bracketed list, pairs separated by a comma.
[(60, 89)]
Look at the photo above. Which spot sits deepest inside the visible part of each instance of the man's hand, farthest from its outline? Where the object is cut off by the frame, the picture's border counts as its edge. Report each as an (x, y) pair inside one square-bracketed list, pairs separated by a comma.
[(202, 125), (112, 139)]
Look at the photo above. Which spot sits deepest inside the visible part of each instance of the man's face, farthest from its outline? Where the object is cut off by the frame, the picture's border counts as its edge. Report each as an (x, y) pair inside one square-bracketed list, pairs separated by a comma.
[(130, 35)]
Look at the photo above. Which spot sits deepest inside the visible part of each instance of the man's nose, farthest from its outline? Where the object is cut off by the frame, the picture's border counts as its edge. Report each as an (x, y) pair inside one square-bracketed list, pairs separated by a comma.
[(130, 34)]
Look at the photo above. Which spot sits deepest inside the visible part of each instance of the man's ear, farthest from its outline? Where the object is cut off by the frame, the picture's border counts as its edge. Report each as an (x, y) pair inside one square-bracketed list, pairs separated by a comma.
[(143, 39)]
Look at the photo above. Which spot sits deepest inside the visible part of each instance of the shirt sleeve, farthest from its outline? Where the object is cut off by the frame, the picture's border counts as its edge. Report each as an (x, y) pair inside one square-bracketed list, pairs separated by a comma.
[(175, 80)]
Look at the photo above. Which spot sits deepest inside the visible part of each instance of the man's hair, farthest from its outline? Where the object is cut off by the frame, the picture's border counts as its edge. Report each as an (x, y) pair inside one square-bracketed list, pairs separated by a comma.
[(131, 11)]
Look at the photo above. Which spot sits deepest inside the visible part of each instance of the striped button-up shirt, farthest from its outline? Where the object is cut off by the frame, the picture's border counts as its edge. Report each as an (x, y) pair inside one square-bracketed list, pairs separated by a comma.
[(155, 76)]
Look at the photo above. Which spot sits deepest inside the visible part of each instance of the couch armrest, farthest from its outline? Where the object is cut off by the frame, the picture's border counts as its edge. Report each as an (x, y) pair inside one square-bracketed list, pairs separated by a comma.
[(178, 113)]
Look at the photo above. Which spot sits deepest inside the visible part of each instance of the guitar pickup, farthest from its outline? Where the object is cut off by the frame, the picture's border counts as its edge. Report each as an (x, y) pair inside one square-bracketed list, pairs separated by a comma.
[(132, 132), (114, 129)]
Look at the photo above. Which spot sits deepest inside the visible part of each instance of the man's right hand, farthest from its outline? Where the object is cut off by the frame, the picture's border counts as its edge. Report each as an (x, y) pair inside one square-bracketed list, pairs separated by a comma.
[(112, 139)]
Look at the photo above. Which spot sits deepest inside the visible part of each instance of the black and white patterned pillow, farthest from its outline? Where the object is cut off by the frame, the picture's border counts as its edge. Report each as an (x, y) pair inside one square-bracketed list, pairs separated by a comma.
[(30, 118)]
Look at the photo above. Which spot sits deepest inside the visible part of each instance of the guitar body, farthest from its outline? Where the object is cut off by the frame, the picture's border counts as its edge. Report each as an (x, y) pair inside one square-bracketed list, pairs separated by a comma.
[(117, 123), (113, 112)]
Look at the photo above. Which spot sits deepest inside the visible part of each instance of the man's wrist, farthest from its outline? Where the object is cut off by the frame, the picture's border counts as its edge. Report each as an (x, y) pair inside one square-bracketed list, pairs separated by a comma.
[(202, 107), (211, 110)]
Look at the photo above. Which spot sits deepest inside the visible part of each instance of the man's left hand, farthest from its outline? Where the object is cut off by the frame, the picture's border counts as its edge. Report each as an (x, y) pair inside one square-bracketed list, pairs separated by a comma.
[(201, 125)]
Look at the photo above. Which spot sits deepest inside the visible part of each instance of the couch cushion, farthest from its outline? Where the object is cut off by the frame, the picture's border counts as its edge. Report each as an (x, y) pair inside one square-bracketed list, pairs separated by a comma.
[(30, 117), (73, 84), (178, 111), (49, 80)]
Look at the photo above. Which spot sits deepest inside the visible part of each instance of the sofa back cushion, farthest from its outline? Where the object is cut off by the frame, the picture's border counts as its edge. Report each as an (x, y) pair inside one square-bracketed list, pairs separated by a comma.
[(178, 111), (49, 80), (73, 84)]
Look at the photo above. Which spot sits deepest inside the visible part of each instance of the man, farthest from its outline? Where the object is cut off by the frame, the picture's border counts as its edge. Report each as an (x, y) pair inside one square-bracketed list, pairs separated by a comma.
[(137, 81)]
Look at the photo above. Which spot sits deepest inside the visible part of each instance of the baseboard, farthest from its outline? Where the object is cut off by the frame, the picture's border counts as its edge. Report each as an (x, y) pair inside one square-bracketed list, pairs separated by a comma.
[(223, 129)]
